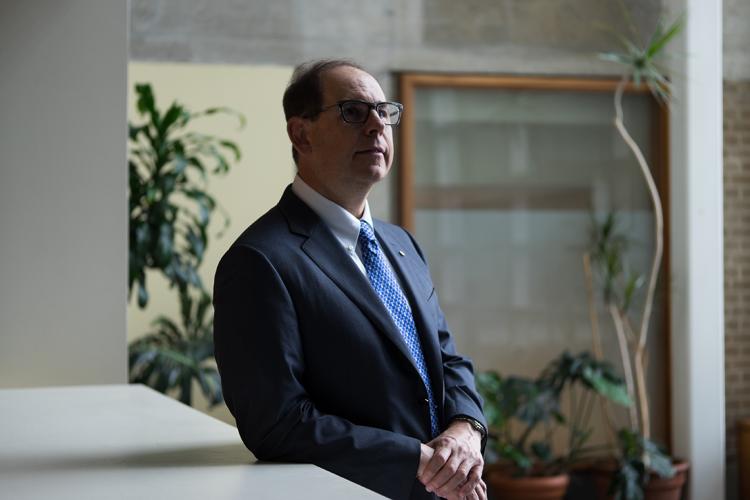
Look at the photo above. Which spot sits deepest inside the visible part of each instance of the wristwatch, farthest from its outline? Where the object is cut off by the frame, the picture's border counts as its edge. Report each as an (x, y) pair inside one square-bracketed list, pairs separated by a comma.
[(475, 424)]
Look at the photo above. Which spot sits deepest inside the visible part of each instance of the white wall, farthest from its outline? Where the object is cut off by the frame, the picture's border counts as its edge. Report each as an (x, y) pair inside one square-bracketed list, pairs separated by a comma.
[(697, 343), (63, 208)]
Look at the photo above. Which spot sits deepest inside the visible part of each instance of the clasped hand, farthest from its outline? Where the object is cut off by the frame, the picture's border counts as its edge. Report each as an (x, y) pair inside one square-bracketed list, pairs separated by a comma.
[(451, 464)]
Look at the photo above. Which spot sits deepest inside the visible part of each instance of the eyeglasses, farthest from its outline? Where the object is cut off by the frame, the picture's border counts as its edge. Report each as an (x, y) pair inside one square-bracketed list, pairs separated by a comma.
[(356, 111)]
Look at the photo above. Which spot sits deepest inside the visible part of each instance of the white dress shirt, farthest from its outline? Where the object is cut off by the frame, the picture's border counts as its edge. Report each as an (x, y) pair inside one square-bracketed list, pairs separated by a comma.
[(343, 225)]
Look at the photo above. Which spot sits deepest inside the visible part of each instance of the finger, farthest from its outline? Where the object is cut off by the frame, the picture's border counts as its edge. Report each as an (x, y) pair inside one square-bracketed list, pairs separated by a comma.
[(482, 493), (456, 482), (438, 460), (472, 480), (451, 468)]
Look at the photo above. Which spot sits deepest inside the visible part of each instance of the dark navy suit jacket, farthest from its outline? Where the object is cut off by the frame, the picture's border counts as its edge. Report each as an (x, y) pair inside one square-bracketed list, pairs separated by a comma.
[(312, 366)]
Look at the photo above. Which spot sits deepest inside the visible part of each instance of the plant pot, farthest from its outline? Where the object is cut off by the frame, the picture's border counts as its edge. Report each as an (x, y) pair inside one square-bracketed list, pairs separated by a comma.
[(657, 488), (504, 486)]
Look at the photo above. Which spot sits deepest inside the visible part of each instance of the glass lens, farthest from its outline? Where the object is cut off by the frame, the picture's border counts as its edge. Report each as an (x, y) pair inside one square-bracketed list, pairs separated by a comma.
[(358, 111), (389, 112), (354, 111)]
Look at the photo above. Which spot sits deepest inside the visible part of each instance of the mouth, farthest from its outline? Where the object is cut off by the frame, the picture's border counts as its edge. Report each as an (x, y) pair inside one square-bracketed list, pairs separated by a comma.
[(372, 151)]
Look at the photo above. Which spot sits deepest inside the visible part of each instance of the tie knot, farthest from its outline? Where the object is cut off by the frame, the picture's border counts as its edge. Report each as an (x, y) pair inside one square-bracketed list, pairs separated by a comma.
[(366, 232)]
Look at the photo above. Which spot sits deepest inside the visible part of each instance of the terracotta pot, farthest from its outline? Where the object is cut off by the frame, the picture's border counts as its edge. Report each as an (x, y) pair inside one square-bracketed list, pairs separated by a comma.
[(657, 488), (506, 487)]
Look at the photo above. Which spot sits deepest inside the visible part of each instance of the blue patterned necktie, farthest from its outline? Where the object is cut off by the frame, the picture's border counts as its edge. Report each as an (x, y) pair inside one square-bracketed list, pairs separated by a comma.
[(384, 282)]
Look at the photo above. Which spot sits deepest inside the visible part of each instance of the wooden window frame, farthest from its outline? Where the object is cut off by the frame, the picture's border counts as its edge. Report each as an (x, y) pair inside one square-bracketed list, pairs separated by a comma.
[(409, 82)]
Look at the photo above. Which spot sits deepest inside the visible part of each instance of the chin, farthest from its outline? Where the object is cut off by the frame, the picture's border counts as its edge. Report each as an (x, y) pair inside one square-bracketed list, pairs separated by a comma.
[(375, 171)]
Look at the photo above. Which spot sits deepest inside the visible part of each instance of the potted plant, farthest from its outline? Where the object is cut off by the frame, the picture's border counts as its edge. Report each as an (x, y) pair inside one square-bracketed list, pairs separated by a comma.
[(641, 469), (523, 415), (170, 210)]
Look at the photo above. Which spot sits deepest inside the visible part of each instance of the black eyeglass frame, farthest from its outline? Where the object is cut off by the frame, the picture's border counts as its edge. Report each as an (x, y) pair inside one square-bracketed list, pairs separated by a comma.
[(370, 105)]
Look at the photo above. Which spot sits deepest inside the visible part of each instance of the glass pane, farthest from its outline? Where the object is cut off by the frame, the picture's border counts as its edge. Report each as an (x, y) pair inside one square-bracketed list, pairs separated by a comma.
[(506, 182)]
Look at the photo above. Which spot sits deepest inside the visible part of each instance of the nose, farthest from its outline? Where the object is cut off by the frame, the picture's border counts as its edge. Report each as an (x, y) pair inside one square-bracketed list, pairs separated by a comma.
[(374, 124)]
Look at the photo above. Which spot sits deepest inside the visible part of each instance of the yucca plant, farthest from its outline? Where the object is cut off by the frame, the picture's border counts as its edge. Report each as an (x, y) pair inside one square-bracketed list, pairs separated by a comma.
[(638, 454), (173, 355)]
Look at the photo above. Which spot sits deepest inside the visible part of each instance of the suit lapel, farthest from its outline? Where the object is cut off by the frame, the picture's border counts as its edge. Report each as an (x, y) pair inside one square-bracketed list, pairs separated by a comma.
[(417, 294), (326, 252)]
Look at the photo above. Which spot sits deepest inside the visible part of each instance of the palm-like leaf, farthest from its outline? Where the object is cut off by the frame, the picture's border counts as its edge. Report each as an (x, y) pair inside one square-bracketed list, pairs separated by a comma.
[(641, 62), (607, 247), (169, 207), (171, 357), (639, 457)]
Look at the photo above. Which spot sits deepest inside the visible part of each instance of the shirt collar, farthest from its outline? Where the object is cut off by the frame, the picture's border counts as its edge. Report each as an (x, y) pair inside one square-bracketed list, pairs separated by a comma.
[(344, 225)]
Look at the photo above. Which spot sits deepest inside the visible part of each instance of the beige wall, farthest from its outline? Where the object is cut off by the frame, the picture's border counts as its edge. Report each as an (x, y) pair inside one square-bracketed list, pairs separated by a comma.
[(253, 185)]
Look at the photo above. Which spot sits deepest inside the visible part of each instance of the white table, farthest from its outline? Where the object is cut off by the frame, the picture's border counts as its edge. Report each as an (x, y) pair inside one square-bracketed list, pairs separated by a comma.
[(128, 441)]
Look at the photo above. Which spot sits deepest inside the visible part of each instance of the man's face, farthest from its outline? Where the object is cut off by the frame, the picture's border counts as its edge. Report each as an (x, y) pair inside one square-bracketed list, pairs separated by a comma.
[(347, 156)]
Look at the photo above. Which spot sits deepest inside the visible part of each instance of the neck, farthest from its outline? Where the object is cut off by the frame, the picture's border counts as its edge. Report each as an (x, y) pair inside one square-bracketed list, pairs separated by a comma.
[(351, 200)]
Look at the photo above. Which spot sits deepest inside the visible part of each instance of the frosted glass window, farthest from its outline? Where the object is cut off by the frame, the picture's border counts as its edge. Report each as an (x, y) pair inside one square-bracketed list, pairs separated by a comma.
[(502, 188)]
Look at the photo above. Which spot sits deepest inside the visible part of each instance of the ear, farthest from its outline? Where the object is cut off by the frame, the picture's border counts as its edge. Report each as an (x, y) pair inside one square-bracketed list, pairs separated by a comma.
[(297, 130)]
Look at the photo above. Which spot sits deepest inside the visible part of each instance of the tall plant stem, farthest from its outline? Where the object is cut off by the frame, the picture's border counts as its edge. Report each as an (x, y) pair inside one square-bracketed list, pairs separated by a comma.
[(656, 261), (627, 369), (596, 340), (640, 378)]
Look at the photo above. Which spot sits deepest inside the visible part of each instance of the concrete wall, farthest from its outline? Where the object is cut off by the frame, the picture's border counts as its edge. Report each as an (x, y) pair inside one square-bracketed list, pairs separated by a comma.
[(736, 40), (496, 36), (63, 225)]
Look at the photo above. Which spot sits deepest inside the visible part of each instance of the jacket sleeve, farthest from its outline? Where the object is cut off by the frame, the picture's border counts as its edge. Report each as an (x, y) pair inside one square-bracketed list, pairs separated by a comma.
[(461, 395), (260, 359)]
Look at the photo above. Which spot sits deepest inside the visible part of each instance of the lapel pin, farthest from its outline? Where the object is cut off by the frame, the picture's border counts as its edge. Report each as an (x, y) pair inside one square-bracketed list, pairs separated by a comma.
[(401, 253)]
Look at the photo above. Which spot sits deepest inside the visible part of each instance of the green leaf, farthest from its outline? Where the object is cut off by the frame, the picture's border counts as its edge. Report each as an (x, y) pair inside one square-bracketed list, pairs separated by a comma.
[(165, 242), (145, 99), (633, 284), (232, 147), (170, 117), (659, 462), (134, 131), (542, 451), (658, 42), (627, 484), (615, 57), (179, 164), (523, 462), (212, 111), (142, 293)]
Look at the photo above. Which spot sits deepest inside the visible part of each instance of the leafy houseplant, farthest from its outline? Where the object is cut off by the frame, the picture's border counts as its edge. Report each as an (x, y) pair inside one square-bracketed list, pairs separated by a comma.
[(518, 409), (168, 205), (170, 211), (638, 455), (173, 355)]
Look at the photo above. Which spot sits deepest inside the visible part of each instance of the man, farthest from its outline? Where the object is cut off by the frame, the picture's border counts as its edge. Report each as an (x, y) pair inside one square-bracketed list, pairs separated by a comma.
[(330, 342)]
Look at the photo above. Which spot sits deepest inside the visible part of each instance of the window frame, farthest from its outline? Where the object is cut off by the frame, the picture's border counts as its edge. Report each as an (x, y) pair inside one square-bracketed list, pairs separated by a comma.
[(409, 83)]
